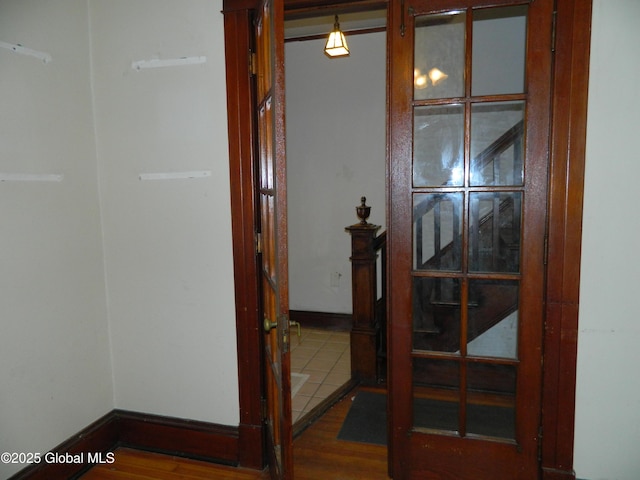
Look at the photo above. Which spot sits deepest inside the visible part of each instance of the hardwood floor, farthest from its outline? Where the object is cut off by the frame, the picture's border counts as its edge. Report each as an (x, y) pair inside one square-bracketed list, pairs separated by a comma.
[(138, 465), (318, 455)]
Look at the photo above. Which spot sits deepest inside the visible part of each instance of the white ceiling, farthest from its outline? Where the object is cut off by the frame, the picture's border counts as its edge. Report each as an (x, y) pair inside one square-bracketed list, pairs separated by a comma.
[(305, 27)]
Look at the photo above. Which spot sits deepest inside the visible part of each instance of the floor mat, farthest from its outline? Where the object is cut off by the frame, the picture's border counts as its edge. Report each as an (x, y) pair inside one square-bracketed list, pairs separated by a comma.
[(366, 421)]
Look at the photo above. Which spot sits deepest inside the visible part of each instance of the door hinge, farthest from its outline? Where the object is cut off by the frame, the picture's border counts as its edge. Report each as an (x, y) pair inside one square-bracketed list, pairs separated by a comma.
[(263, 404), (252, 63), (554, 21), (403, 28), (540, 443), (545, 260), (258, 243)]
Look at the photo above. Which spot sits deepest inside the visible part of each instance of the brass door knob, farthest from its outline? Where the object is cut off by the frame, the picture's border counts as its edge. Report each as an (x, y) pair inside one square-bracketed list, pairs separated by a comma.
[(269, 325)]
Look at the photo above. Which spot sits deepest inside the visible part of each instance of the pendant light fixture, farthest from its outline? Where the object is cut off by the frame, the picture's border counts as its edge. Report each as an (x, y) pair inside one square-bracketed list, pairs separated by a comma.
[(336, 45)]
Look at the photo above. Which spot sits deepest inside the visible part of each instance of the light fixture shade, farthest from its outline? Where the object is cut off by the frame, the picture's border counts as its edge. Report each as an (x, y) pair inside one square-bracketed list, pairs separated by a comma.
[(336, 45)]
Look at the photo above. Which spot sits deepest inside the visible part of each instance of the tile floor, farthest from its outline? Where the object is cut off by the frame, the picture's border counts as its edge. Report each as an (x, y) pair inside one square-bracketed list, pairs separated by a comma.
[(320, 358)]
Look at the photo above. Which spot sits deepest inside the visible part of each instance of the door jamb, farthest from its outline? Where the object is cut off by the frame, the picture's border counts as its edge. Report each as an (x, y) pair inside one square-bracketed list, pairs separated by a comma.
[(566, 183), (566, 188), (238, 33)]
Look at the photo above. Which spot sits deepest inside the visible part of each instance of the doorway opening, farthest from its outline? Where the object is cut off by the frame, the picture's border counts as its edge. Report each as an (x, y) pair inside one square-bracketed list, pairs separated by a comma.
[(568, 112), (336, 153)]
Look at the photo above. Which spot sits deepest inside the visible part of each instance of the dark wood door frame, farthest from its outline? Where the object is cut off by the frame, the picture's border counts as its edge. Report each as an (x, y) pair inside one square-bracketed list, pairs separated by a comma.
[(566, 188), (567, 156), (238, 29)]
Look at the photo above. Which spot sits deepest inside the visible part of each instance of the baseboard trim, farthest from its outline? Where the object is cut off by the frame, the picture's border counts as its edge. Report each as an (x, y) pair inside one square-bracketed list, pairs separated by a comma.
[(100, 436), (157, 433), (328, 321), (554, 474), (176, 436)]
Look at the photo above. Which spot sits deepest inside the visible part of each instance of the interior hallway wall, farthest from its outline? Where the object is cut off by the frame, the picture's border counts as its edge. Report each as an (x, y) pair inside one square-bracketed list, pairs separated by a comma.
[(55, 366), (608, 391), (115, 292), (167, 242), (336, 117)]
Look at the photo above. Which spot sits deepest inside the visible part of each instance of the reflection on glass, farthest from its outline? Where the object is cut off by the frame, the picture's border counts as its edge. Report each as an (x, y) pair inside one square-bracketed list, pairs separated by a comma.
[(499, 42), (266, 152), (436, 394), (436, 314), (494, 417), (497, 143), (494, 231), (439, 56), (438, 145), (268, 228), (437, 222), (493, 321)]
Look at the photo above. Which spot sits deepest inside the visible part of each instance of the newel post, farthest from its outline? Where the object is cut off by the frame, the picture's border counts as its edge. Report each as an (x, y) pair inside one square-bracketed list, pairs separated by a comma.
[(364, 293)]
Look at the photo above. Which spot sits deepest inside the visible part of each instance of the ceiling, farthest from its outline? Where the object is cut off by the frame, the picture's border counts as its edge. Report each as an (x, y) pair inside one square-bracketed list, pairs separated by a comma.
[(322, 25)]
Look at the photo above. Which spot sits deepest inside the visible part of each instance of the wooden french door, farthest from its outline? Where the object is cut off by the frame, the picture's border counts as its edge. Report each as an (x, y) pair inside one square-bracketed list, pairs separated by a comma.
[(269, 70), (469, 141)]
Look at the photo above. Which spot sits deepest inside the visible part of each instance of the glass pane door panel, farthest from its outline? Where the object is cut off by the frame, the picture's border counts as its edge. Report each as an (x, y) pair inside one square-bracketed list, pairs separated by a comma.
[(497, 143), (494, 231), (491, 399), (436, 394), (486, 379), (491, 420), (266, 145), (438, 145), (268, 228), (437, 223), (436, 314), (439, 56), (493, 318), (499, 41)]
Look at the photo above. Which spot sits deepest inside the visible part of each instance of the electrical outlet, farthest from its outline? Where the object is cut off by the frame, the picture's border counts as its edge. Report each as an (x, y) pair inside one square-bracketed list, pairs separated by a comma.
[(335, 279)]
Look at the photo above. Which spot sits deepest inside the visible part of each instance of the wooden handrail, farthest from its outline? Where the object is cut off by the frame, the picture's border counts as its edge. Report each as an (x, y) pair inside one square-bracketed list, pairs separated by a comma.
[(484, 158), (500, 145), (368, 334)]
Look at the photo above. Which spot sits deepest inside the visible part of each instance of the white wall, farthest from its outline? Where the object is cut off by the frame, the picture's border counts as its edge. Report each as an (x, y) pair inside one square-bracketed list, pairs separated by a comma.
[(55, 371), (608, 390), (157, 336), (335, 154), (167, 242)]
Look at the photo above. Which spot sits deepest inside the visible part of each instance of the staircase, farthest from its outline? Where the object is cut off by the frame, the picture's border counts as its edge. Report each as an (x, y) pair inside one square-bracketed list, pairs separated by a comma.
[(437, 300), (493, 246)]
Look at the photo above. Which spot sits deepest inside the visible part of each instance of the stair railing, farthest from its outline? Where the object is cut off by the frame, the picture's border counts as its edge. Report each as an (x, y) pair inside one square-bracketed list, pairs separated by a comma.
[(368, 334), (488, 157)]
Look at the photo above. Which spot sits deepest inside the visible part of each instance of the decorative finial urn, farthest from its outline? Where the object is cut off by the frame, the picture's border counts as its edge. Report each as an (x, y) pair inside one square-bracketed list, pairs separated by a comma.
[(363, 211)]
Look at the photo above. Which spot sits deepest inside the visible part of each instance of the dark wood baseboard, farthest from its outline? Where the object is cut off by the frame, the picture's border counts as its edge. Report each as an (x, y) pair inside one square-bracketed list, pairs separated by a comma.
[(174, 436), (100, 436), (553, 474), (328, 321)]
